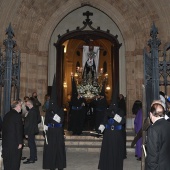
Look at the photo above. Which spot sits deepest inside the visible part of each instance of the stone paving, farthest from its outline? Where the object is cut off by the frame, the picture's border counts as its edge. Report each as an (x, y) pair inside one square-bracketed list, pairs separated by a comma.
[(81, 161)]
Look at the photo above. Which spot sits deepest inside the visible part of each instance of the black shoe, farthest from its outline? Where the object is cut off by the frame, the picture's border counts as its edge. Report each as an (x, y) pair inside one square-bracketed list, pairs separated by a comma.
[(138, 159), (23, 158), (34, 159), (28, 162)]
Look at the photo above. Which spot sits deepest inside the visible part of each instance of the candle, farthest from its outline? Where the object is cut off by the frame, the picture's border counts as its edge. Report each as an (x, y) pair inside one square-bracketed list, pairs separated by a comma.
[(106, 75)]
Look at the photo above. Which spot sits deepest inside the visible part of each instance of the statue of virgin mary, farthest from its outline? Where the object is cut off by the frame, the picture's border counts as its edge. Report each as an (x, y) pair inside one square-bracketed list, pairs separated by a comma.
[(90, 65)]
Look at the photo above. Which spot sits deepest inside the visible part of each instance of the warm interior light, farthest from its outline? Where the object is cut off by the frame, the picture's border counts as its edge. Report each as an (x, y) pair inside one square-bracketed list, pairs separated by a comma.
[(65, 46), (76, 75), (108, 87), (65, 84)]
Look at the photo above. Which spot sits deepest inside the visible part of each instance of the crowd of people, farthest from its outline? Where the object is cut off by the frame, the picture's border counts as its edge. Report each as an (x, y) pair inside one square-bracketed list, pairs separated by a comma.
[(19, 123), (24, 118), (22, 122)]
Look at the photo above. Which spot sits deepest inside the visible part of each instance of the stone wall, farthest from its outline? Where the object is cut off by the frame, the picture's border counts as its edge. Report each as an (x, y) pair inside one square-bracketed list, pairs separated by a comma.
[(34, 21)]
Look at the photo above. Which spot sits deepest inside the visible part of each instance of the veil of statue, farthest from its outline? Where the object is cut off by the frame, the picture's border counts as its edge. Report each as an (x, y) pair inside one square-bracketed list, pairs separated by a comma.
[(90, 63)]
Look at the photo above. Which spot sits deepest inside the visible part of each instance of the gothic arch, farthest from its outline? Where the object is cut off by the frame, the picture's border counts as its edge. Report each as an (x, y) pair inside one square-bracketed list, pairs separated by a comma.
[(85, 35)]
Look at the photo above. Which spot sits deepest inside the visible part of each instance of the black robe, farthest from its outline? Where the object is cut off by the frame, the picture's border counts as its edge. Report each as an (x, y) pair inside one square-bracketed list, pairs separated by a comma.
[(122, 106), (54, 154), (12, 136), (77, 117), (99, 105), (112, 150)]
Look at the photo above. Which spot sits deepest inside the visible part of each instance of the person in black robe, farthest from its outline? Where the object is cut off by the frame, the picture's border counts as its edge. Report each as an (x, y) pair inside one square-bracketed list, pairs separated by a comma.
[(12, 137), (112, 150), (99, 104), (122, 106), (54, 154), (78, 111)]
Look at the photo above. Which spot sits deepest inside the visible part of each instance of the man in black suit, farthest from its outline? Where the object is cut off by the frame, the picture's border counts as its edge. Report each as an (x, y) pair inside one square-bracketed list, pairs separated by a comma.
[(12, 137), (30, 130), (158, 139)]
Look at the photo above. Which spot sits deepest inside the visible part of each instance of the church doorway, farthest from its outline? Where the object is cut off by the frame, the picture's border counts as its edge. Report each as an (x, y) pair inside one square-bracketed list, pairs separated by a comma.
[(69, 56), (107, 70)]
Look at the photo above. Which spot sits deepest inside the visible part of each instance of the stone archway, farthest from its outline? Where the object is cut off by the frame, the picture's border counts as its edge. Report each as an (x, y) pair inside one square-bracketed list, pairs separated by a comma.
[(114, 57), (78, 33)]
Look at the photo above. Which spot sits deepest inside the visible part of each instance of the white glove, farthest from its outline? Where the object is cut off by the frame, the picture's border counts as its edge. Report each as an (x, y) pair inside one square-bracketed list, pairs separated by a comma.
[(57, 118), (45, 127), (117, 118), (101, 128)]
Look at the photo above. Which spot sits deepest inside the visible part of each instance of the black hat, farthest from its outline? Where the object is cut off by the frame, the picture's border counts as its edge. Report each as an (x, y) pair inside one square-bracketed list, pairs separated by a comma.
[(53, 99), (74, 89), (114, 103)]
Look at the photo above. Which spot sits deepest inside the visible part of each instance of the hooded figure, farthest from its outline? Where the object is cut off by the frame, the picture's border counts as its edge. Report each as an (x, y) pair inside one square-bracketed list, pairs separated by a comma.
[(54, 155), (99, 104), (77, 111), (112, 149)]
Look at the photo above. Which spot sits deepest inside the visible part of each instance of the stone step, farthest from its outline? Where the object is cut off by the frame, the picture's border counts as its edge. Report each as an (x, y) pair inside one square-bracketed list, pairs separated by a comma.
[(83, 148), (79, 142), (83, 143)]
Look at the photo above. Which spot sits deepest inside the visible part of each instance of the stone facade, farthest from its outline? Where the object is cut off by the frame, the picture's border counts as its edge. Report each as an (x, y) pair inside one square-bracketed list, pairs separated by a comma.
[(34, 21)]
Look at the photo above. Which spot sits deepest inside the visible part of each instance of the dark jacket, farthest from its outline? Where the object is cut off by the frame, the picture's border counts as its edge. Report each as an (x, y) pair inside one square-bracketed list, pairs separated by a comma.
[(12, 136), (31, 122), (158, 146)]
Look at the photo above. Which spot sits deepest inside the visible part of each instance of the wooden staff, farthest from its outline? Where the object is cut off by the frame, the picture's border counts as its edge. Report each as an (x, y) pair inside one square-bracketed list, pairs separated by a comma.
[(42, 118)]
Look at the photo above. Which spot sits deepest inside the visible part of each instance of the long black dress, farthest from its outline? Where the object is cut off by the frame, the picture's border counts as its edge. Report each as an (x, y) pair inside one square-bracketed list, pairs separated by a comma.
[(12, 136), (112, 150), (99, 105), (54, 155), (77, 117)]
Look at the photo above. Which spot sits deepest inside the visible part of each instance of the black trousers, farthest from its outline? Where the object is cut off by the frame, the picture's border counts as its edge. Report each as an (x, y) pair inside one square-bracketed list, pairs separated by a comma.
[(32, 146)]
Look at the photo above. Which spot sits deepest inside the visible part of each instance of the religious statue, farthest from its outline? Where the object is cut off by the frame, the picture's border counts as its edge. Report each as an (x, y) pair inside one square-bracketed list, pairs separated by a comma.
[(90, 68)]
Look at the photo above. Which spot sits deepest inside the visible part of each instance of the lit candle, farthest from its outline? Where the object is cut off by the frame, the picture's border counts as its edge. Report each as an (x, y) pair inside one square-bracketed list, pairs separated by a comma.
[(71, 74), (101, 70), (76, 75), (106, 75)]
